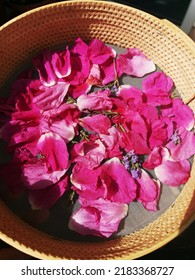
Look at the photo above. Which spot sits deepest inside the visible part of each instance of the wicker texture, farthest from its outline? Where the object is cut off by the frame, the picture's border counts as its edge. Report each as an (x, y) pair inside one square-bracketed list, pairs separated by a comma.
[(165, 44)]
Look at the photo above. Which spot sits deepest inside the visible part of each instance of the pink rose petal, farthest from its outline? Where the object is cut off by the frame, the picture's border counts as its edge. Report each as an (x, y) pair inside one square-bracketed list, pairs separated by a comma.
[(179, 113), (51, 97), (36, 176), (98, 52), (157, 88), (89, 153), (148, 191), (86, 182), (185, 149), (95, 101), (96, 123), (61, 63), (118, 182), (54, 149), (98, 217), (134, 63), (173, 173)]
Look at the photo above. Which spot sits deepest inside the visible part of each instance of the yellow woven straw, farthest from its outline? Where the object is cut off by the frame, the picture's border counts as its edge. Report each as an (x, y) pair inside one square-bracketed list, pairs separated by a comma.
[(165, 44)]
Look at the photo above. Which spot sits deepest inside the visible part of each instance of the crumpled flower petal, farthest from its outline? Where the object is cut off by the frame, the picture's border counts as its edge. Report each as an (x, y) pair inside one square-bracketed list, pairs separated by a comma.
[(51, 97), (96, 123), (98, 217), (61, 63), (47, 197), (118, 182), (185, 149), (173, 173), (89, 153), (134, 63), (86, 182), (98, 52), (54, 149), (181, 114), (157, 87), (36, 176), (43, 64), (148, 191), (95, 101)]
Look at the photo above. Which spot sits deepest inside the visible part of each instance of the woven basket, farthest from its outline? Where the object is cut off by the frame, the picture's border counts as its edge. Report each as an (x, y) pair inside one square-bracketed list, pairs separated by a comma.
[(172, 50)]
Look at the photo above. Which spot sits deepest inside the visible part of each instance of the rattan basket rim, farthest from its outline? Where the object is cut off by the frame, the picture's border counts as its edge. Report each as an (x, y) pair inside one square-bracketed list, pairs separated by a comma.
[(191, 215)]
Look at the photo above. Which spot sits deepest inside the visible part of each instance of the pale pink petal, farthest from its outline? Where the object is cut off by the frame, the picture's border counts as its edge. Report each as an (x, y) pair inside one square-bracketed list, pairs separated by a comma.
[(96, 123), (46, 198), (117, 180), (173, 173), (43, 64), (134, 63), (100, 217), (185, 149), (148, 191), (95, 101), (54, 149)]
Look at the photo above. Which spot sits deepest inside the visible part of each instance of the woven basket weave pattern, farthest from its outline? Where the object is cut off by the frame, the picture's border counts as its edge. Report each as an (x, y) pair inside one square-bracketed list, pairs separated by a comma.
[(165, 44)]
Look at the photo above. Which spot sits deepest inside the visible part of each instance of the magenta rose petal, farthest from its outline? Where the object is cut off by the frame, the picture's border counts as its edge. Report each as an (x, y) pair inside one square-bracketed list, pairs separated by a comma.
[(51, 97), (117, 180), (61, 63), (96, 123), (54, 149), (98, 52), (35, 175), (43, 64), (157, 87)]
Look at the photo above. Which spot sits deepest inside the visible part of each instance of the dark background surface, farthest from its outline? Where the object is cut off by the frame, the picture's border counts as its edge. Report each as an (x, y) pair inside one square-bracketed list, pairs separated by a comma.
[(173, 10)]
